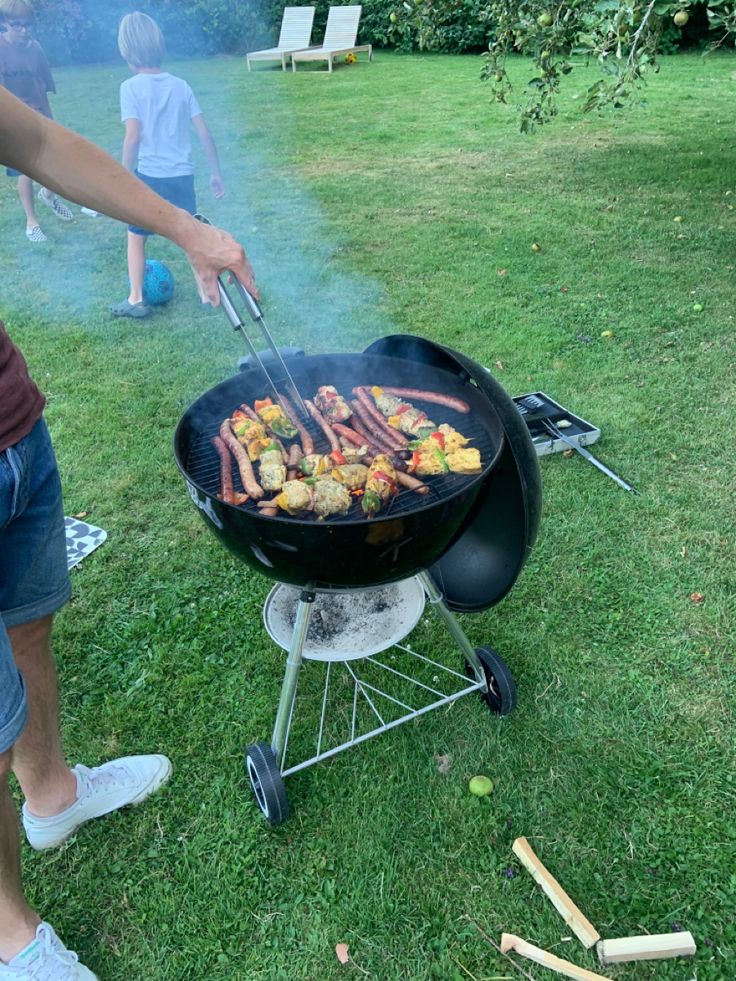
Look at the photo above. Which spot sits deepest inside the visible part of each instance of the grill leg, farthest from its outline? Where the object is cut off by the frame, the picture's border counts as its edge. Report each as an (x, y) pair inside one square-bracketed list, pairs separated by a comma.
[(293, 664), (457, 632)]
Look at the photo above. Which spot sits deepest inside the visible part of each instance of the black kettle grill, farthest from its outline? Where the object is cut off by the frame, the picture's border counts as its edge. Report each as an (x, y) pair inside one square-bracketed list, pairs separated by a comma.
[(462, 546)]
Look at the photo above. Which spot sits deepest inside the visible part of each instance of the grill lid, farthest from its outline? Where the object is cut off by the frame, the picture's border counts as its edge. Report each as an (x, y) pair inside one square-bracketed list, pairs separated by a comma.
[(483, 564)]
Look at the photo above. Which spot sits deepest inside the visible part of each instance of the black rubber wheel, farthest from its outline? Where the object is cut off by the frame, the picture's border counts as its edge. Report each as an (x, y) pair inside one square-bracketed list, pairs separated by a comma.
[(266, 782), (501, 695)]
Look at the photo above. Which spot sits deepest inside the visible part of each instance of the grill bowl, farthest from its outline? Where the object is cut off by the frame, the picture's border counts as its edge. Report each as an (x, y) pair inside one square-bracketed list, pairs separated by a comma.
[(350, 551)]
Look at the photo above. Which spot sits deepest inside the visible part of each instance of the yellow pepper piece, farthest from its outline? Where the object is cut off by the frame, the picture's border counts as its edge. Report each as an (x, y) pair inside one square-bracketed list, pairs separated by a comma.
[(271, 413), (376, 390), (394, 421)]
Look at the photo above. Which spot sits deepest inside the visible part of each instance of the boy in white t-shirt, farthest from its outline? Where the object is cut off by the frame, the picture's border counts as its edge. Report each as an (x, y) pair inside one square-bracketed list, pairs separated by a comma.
[(157, 109)]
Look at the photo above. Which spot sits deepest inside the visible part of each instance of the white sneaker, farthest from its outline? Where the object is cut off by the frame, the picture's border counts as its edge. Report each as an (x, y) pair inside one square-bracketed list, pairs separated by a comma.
[(46, 959), (100, 790), (57, 206)]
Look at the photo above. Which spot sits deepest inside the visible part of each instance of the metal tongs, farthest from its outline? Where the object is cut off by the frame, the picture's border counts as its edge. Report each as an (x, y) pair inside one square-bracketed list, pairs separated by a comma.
[(256, 314), (557, 433), (534, 409)]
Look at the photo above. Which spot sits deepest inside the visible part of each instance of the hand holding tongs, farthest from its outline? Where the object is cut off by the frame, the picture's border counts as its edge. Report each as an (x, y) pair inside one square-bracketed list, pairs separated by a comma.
[(256, 314)]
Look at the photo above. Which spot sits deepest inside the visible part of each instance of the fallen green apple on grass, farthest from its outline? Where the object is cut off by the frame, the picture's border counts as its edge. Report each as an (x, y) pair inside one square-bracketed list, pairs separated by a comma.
[(481, 786)]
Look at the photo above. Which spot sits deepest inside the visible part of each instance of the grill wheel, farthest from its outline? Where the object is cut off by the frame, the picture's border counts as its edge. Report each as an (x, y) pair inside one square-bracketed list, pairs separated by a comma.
[(266, 782), (501, 695)]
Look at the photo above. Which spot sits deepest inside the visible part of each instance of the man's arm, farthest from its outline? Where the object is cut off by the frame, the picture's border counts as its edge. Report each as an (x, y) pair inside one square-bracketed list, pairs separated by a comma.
[(82, 172), (208, 145), (131, 142)]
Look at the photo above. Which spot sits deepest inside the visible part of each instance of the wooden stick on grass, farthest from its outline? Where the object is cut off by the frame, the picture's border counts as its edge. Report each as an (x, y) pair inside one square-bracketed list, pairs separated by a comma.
[(511, 942), (650, 947), (503, 953), (578, 923)]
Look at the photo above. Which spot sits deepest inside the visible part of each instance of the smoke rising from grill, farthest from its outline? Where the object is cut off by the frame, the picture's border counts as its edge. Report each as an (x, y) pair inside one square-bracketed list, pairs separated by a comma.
[(310, 296)]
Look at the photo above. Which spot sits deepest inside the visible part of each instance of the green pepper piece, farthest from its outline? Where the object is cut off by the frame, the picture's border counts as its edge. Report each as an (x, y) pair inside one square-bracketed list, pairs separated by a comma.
[(371, 502), (283, 427), (439, 455)]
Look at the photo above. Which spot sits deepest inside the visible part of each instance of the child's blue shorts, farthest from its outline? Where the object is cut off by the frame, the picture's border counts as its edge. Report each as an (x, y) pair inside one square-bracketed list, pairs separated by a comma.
[(34, 579), (178, 191)]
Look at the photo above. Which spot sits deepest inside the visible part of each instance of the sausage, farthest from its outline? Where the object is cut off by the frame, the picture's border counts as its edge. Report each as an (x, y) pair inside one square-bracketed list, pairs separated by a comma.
[(250, 484), (307, 441), (295, 455), (323, 424), (226, 471), (379, 419), (364, 426), (250, 413), (378, 438), (350, 436), (449, 401), (412, 483)]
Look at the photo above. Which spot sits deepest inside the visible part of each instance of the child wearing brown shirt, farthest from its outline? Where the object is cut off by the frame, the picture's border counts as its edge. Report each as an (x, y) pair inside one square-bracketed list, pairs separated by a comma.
[(25, 71)]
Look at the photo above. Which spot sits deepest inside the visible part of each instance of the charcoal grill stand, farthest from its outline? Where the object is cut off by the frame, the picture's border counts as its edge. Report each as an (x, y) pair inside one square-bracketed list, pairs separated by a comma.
[(485, 673)]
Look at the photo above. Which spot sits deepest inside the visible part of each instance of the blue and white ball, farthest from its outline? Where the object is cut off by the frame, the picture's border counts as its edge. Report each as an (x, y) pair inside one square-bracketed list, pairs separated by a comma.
[(158, 283)]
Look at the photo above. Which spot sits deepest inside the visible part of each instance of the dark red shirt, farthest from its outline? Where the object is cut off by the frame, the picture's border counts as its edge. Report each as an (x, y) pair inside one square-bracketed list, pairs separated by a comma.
[(21, 403), (24, 71)]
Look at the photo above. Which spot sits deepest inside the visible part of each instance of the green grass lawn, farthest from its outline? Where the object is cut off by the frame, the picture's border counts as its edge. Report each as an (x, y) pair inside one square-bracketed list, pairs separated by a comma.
[(392, 198)]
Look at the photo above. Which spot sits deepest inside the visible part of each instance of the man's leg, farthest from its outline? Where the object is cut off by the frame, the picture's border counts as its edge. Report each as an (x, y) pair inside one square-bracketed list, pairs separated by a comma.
[(32, 946), (56, 801), (38, 762), (34, 583), (18, 922)]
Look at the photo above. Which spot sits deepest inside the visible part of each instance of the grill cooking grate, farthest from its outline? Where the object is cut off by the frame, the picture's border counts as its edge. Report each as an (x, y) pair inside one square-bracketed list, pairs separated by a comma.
[(203, 467)]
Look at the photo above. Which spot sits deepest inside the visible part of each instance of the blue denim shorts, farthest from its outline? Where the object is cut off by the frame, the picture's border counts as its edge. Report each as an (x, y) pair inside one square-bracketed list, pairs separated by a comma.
[(178, 191), (34, 579)]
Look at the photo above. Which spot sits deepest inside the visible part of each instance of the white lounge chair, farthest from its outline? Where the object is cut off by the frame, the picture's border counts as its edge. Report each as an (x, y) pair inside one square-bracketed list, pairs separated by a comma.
[(296, 33), (340, 36)]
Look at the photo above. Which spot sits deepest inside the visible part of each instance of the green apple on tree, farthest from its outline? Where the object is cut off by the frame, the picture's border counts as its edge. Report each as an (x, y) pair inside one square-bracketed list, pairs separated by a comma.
[(624, 37)]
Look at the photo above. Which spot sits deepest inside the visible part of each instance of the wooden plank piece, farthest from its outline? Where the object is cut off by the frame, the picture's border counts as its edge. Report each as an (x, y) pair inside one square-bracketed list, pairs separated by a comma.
[(570, 913), (650, 947), (510, 941)]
